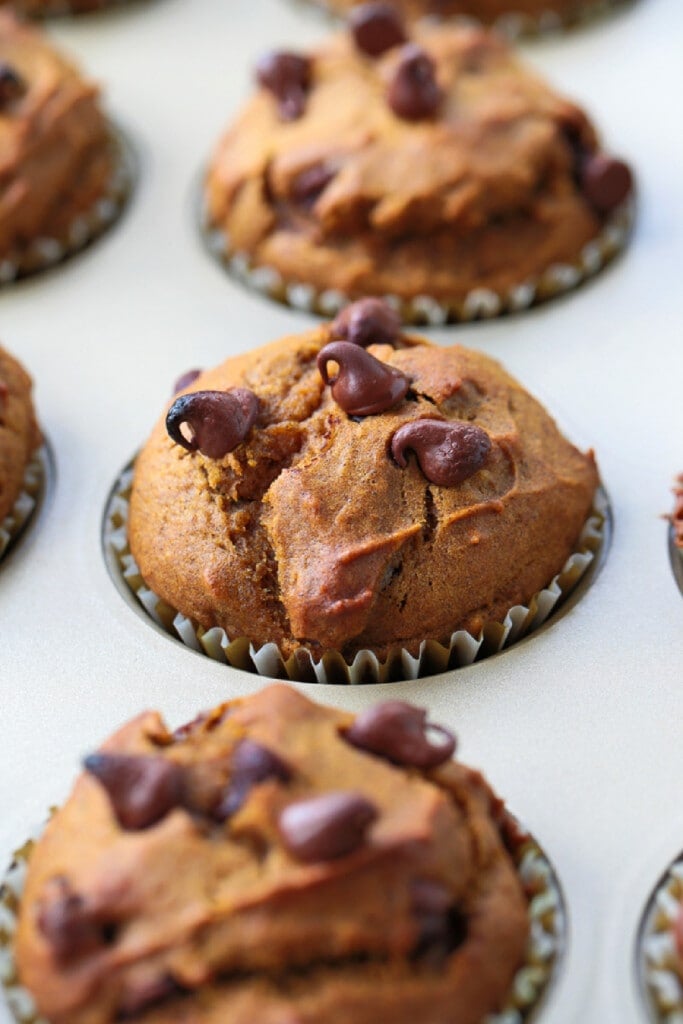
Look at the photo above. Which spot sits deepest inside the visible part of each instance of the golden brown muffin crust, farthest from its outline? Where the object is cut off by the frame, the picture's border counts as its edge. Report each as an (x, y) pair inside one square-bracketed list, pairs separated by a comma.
[(19, 433)]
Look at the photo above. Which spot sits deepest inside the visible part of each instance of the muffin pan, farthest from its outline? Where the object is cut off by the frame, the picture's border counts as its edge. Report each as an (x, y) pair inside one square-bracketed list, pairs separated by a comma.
[(580, 725)]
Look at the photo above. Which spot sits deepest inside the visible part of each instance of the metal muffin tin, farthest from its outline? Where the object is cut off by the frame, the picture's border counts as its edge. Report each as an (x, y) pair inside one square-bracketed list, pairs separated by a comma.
[(580, 726)]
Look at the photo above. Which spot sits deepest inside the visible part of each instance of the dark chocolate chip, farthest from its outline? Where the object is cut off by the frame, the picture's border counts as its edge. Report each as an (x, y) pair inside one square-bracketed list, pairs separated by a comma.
[(363, 386), (12, 86), (448, 453), (309, 184), (376, 27), (185, 380), (414, 93), (142, 790), (218, 420), (401, 733), (68, 924), (326, 827), (251, 763), (606, 182), (288, 77), (441, 926), (4, 395), (368, 322), (141, 994)]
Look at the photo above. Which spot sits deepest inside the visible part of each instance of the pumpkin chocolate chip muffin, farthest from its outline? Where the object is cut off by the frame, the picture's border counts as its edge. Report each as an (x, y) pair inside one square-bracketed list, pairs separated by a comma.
[(19, 439), (429, 165), (355, 488), (275, 860), (62, 172)]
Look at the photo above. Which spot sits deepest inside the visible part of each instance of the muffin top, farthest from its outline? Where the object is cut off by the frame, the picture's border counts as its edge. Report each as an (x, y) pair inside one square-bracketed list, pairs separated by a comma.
[(429, 162), (424, 491), (19, 433), (51, 135), (273, 861)]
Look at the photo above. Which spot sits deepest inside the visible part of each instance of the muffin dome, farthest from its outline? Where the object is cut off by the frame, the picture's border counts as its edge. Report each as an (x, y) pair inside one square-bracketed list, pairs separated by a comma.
[(437, 168), (423, 492), (19, 433), (275, 860)]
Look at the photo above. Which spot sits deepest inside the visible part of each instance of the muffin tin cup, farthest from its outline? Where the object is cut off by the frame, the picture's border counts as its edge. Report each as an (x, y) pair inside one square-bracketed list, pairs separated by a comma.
[(433, 657), (660, 985), (19, 517), (478, 304), (48, 251), (531, 985), (515, 25)]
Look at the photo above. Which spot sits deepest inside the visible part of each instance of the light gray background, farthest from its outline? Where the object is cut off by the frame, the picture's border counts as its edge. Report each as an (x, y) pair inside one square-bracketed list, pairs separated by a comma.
[(580, 728)]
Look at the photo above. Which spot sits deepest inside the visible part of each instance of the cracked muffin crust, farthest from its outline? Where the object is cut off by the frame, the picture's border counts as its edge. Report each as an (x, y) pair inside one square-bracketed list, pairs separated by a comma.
[(56, 157), (274, 861), (321, 528), (437, 167), (19, 433)]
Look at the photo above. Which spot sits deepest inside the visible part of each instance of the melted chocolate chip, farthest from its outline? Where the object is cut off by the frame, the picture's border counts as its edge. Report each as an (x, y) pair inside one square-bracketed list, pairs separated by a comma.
[(12, 86), (288, 77), (326, 827), (401, 733), (605, 181), (368, 322), (414, 93), (363, 386), (141, 994), (185, 380), (251, 763), (376, 27), (142, 790), (441, 926), (448, 453), (68, 924), (218, 420)]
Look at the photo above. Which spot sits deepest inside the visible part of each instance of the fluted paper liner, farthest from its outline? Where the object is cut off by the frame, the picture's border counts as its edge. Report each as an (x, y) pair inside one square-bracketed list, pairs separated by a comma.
[(433, 657), (515, 25), (531, 984), (478, 304), (660, 984), (22, 510), (45, 251)]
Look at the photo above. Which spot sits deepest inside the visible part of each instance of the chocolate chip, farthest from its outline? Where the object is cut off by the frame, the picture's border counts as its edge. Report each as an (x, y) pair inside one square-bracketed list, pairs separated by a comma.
[(605, 182), (68, 924), (288, 77), (401, 733), (4, 395), (363, 386), (441, 926), (142, 790), (368, 322), (251, 763), (309, 184), (12, 85), (448, 453), (185, 380), (326, 827), (376, 28), (141, 994), (218, 420), (414, 93)]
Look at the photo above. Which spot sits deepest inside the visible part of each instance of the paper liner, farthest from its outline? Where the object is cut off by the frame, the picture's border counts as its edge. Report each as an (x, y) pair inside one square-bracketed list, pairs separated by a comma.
[(676, 558), (660, 985), (531, 984), (34, 483), (45, 252), (478, 304), (515, 25), (433, 657)]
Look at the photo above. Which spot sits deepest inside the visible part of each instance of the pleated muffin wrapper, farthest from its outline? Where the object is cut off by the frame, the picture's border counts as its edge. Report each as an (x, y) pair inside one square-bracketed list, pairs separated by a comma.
[(659, 968), (516, 25), (35, 478), (478, 304), (531, 986), (433, 657), (45, 252)]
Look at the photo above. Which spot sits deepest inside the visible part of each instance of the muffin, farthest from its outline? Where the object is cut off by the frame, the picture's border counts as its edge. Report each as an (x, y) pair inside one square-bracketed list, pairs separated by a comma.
[(272, 861), (19, 441), (677, 514), (511, 16), (52, 8), (429, 166), (414, 492), (64, 173)]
